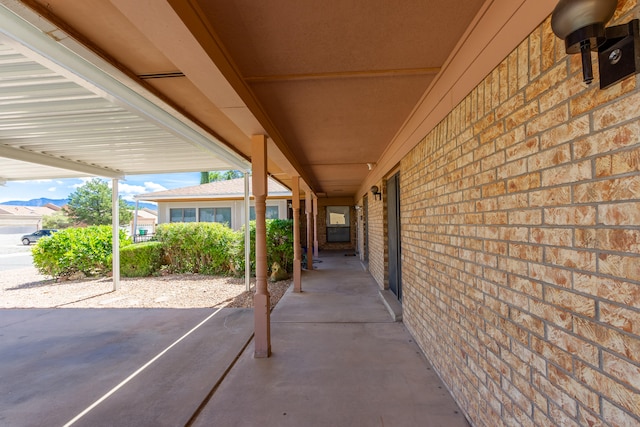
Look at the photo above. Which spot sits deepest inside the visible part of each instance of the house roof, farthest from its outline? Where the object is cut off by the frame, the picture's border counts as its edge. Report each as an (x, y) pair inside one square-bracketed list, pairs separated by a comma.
[(35, 211), (221, 190)]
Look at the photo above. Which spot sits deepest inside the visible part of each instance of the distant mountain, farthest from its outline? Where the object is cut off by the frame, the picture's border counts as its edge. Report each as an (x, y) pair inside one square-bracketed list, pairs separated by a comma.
[(37, 202), (42, 201)]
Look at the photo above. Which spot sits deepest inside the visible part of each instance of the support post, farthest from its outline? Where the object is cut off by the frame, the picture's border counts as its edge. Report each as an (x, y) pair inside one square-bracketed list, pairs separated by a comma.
[(261, 302), (134, 232), (297, 248), (308, 207), (315, 226), (115, 230), (247, 235)]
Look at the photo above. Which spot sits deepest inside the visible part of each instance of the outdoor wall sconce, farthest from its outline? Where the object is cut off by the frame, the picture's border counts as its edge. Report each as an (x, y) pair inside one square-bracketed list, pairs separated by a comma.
[(377, 195), (581, 24)]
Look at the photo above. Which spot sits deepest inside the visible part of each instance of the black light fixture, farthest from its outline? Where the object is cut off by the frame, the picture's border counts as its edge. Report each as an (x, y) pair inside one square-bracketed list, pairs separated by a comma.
[(376, 192), (582, 25)]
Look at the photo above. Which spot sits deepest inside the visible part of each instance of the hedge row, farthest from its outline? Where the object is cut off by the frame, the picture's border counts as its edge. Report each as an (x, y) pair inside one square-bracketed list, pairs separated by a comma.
[(205, 248)]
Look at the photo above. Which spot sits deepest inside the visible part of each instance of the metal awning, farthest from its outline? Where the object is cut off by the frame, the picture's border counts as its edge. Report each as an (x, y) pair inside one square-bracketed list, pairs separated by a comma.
[(64, 112)]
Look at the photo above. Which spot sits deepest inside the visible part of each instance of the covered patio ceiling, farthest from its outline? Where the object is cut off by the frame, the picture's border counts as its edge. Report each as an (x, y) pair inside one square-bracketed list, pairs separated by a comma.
[(340, 87), (64, 114)]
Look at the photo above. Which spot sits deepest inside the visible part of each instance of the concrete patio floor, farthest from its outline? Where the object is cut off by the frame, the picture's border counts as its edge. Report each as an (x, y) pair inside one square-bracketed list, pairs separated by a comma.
[(338, 360)]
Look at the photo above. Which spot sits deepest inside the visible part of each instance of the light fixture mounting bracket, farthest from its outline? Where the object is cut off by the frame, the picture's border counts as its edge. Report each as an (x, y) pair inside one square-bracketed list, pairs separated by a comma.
[(619, 56)]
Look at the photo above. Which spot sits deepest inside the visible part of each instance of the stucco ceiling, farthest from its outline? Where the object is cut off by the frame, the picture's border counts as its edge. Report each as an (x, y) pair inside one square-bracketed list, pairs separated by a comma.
[(331, 83)]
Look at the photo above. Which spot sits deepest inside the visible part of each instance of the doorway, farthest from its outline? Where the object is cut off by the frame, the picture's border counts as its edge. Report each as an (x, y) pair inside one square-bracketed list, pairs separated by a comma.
[(393, 235), (365, 228)]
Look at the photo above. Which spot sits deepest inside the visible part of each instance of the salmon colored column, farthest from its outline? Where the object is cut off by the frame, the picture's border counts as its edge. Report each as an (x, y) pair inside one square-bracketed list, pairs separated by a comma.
[(297, 256), (261, 303), (308, 207), (315, 225)]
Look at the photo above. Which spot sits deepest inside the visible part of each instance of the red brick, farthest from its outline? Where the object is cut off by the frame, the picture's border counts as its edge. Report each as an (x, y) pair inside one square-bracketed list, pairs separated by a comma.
[(574, 388), (570, 301), (609, 388), (597, 143), (619, 240), (550, 197), (526, 217), (622, 110), (566, 132), (606, 288), (566, 174), (608, 338), (552, 236), (549, 158), (619, 214), (552, 353), (524, 182), (548, 120), (573, 215), (588, 100), (626, 267), (622, 189), (618, 163)]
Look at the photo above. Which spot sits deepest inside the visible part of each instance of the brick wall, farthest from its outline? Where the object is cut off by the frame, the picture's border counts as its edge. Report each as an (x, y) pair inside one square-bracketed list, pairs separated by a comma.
[(521, 243), (376, 227), (321, 225)]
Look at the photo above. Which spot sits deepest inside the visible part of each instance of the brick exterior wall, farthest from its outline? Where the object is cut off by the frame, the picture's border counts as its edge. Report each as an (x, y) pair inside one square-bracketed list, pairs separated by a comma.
[(521, 241), (376, 227), (321, 225)]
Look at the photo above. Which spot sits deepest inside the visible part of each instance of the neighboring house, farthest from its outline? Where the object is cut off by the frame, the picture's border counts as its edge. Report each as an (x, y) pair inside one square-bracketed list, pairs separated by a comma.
[(219, 201), (145, 223), (23, 219)]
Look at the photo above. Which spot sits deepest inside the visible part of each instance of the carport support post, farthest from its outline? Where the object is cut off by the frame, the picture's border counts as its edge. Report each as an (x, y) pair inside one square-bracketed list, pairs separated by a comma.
[(115, 229), (261, 303), (315, 225), (247, 234), (308, 208), (297, 256)]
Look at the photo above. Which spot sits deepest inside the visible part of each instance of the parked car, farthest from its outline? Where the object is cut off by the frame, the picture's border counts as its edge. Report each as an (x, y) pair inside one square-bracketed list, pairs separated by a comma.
[(27, 239)]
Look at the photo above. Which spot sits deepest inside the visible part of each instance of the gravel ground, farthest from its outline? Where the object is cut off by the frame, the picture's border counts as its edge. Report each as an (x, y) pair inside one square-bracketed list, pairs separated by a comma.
[(26, 288)]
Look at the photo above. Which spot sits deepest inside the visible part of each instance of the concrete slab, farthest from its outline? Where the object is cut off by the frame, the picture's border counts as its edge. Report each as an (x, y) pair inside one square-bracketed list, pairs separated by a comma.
[(350, 374), (339, 291), (338, 359), (56, 363)]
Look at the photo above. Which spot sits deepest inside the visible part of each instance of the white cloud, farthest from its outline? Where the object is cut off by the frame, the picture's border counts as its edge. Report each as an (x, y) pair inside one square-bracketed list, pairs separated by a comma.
[(153, 186), (82, 182), (52, 189), (128, 191)]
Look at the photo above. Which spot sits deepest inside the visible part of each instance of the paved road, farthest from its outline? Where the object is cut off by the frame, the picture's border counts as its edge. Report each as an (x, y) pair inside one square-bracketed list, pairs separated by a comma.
[(13, 254)]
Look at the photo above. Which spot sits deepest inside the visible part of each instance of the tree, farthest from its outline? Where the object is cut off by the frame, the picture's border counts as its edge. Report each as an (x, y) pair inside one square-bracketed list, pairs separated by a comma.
[(56, 220), (206, 177), (91, 204)]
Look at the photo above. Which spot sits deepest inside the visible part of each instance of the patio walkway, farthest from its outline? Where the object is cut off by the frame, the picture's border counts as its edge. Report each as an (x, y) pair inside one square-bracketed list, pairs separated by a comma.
[(338, 360)]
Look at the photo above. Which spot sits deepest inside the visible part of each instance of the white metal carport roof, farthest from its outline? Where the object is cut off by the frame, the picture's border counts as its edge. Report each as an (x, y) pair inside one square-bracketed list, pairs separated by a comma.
[(64, 112)]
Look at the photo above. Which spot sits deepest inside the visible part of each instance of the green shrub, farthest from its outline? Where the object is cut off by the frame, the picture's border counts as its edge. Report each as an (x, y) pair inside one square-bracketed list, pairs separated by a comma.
[(197, 247), (279, 245), (238, 260), (87, 250), (141, 260)]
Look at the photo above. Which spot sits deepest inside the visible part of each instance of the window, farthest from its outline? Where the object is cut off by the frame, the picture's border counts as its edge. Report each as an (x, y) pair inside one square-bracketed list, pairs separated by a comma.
[(272, 213), (182, 215), (221, 215), (338, 224)]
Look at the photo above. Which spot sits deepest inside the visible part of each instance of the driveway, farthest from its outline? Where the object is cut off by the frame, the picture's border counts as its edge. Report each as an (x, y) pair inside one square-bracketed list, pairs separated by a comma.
[(13, 254)]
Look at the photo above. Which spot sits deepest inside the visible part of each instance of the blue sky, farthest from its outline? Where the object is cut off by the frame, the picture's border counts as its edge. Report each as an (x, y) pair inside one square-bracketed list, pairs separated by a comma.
[(61, 188)]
